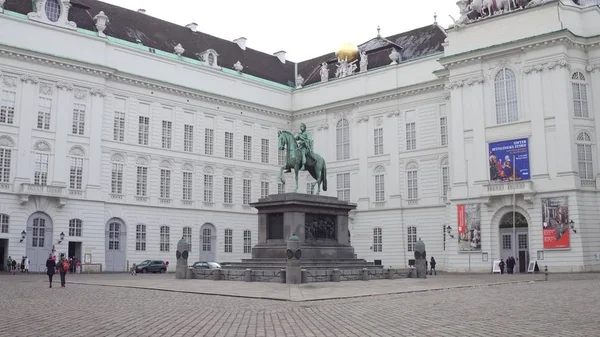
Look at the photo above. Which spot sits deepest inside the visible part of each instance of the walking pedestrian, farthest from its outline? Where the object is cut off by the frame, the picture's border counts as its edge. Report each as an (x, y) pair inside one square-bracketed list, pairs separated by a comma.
[(63, 268), (14, 267), (502, 266), (432, 263), (50, 269), (27, 265), (8, 264)]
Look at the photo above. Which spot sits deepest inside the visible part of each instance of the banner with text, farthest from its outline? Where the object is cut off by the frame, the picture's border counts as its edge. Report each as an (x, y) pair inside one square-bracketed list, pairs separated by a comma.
[(555, 221), (509, 160), (469, 227)]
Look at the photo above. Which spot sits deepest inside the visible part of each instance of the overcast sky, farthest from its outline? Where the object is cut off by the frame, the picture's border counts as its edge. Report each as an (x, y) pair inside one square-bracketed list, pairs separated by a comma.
[(304, 29)]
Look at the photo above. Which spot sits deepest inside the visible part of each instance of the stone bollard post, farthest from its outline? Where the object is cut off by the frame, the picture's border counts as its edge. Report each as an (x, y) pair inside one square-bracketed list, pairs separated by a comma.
[(391, 274), (182, 253), (282, 275), (420, 259), (304, 273), (217, 274), (365, 274), (293, 254), (248, 275), (189, 273), (335, 276), (545, 273)]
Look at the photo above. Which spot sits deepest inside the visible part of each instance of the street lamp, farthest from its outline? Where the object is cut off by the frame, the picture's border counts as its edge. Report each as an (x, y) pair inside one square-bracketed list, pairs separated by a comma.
[(449, 231), (572, 225), (62, 237), (23, 233)]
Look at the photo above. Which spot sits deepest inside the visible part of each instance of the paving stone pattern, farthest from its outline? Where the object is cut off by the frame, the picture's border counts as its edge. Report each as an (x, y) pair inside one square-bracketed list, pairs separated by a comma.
[(564, 306)]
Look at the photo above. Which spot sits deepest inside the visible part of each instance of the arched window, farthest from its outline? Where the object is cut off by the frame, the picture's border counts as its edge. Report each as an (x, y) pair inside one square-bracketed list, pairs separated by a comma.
[(140, 237), (342, 132), (75, 227), (505, 85), (584, 156), (580, 101)]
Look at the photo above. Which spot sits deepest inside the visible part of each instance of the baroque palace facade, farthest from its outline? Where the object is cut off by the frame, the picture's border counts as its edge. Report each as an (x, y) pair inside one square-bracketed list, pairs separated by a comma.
[(121, 133)]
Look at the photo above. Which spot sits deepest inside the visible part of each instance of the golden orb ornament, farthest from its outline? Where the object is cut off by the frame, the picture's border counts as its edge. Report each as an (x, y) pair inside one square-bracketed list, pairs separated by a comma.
[(347, 51)]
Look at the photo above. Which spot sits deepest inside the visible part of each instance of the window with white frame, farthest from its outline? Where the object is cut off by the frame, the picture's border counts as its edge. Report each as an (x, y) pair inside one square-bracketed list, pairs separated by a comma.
[(75, 227), (140, 237), (411, 238), (280, 188), (377, 240), (167, 134), (310, 187), (343, 186), (228, 241), (585, 156), (7, 106), (264, 189), (79, 119), (188, 138), (119, 120), (342, 136), (142, 181), (5, 163), (165, 183), (580, 100), (143, 130), (378, 141), (280, 157), (247, 242), (246, 191), (44, 112), (208, 188), (411, 136), (76, 173), (188, 183), (187, 236), (209, 141), (505, 87), (116, 179), (40, 175), (228, 144), (444, 131), (165, 238), (4, 218), (247, 148), (379, 184), (445, 173), (412, 183), (228, 190), (264, 150)]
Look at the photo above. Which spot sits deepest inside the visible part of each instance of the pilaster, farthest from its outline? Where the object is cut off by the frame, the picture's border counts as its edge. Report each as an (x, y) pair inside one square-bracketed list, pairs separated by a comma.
[(537, 103), (456, 117), (563, 101), (478, 161), (95, 155), (363, 181), (27, 122), (62, 127)]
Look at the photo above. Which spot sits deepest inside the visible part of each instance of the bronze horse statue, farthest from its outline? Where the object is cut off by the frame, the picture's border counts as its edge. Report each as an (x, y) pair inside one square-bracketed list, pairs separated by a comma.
[(315, 164)]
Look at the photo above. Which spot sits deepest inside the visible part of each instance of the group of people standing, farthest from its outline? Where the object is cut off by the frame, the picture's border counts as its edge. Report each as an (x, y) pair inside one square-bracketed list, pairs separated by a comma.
[(62, 266), (12, 265), (510, 265)]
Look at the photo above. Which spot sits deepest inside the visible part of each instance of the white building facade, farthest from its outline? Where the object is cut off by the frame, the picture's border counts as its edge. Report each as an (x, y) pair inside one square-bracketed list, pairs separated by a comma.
[(125, 148)]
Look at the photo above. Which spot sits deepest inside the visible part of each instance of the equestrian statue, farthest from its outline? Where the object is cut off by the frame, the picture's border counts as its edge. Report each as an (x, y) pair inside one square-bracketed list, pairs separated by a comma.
[(301, 157)]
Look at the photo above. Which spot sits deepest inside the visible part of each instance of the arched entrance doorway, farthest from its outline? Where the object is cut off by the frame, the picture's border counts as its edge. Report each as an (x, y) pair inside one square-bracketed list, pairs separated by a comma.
[(208, 243), (515, 243), (115, 252), (39, 240)]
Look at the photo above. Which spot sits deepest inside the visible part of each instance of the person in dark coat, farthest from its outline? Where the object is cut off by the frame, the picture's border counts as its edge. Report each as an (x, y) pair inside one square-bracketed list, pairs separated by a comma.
[(510, 265), (63, 273), (50, 269), (502, 266), (432, 263)]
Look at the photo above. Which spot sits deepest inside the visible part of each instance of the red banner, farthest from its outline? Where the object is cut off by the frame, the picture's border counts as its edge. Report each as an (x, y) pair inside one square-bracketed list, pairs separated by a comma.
[(555, 220), (462, 224), (550, 240)]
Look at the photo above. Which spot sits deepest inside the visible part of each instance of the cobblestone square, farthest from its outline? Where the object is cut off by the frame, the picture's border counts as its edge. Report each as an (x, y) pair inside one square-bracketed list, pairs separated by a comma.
[(562, 306)]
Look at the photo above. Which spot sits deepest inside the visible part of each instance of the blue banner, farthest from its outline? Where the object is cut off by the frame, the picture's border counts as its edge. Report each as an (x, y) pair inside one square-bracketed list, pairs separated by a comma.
[(509, 160)]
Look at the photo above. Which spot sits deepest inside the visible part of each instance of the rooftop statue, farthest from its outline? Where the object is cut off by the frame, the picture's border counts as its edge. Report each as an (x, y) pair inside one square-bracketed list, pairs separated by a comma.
[(301, 157)]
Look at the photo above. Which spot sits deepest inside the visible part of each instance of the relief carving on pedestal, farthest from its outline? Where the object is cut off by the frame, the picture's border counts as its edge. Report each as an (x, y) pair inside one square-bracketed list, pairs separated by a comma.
[(320, 227)]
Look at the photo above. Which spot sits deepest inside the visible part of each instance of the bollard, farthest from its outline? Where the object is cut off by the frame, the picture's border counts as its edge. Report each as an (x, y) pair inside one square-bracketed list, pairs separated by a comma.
[(365, 274), (217, 274), (282, 275), (304, 277), (391, 274), (545, 273), (335, 276), (248, 275)]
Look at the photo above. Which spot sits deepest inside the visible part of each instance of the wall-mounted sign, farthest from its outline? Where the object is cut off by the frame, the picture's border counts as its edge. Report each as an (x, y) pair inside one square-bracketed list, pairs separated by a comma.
[(87, 258), (509, 160), (469, 227), (555, 222)]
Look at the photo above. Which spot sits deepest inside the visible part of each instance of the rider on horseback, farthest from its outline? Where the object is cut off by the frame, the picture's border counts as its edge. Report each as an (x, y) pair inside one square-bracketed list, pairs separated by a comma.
[(305, 144)]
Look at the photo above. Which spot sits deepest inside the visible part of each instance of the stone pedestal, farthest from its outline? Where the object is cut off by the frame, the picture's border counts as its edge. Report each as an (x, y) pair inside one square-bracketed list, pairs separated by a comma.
[(181, 269), (420, 259), (293, 273)]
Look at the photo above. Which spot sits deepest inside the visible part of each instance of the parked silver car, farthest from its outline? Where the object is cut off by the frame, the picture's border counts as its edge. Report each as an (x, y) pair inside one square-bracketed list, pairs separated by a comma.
[(206, 265)]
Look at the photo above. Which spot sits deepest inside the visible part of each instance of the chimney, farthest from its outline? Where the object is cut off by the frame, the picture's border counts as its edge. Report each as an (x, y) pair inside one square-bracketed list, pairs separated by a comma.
[(241, 42), (280, 55), (141, 10), (192, 26)]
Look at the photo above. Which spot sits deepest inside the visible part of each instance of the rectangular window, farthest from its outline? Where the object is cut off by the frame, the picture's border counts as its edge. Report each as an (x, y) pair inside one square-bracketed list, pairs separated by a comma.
[(209, 141), (411, 136), (165, 238), (378, 141), (167, 129), (5, 158), (44, 113), (228, 241), (76, 173), (412, 183), (247, 242), (228, 190), (280, 188), (444, 131), (445, 180), (119, 120), (377, 240), (208, 188), (187, 185), (247, 148), (411, 238), (506, 242), (584, 159), (343, 186), (264, 150), (187, 236), (143, 130), (379, 188), (310, 188), (165, 184), (75, 227), (7, 106), (188, 138), (246, 191), (228, 144), (4, 223), (78, 119), (116, 181), (281, 157), (264, 189), (40, 176), (140, 237), (142, 181)]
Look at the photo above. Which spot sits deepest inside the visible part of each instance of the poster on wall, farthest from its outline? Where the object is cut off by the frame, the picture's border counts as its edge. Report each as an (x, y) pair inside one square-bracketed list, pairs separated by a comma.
[(555, 221), (469, 227), (509, 160)]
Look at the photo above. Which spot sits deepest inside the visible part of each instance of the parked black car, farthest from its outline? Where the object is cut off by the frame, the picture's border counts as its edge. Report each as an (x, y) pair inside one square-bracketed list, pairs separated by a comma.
[(206, 265), (151, 266)]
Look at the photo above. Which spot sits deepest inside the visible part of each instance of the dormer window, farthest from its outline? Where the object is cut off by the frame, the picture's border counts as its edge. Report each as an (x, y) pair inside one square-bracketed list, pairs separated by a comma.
[(55, 12), (209, 58), (52, 10)]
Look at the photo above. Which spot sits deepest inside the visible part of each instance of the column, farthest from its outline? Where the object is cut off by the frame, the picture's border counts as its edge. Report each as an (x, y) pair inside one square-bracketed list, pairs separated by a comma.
[(27, 122), (62, 128), (95, 155)]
